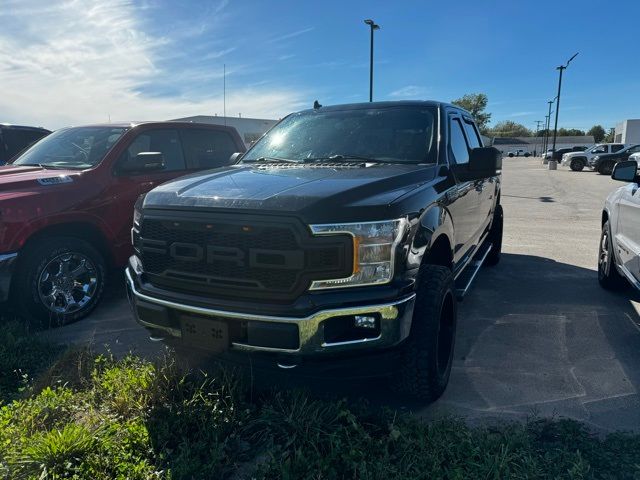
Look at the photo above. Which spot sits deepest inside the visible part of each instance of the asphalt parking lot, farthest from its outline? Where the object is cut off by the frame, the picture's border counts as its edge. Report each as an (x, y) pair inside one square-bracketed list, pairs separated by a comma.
[(536, 335)]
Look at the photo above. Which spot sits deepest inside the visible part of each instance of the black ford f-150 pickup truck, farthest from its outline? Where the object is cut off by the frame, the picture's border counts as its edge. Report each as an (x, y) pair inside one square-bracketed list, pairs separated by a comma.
[(343, 238)]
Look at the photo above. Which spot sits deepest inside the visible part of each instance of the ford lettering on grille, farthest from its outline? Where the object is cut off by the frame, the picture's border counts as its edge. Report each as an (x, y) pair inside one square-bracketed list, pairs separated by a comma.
[(253, 257), (222, 256)]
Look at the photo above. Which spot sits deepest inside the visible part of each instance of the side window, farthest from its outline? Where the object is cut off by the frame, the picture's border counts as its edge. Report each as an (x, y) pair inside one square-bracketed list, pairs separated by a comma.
[(602, 149), (207, 148), (457, 142), (165, 141), (472, 135), (616, 148)]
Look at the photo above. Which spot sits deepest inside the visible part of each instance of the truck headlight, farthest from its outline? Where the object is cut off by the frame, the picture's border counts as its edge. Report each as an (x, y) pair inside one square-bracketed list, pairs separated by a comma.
[(374, 247), (137, 210)]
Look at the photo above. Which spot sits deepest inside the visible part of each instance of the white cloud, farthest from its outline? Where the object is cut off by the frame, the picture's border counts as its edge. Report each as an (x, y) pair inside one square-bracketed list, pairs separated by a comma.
[(409, 91), (84, 60)]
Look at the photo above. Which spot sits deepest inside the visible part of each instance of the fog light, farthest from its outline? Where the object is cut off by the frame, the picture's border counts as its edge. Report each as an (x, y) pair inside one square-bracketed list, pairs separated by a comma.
[(364, 321)]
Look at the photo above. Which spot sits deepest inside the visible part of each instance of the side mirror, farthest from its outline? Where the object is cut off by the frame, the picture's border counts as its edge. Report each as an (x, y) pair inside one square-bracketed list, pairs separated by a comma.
[(144, 162), (626, 171), (484, 162), (235, 158)]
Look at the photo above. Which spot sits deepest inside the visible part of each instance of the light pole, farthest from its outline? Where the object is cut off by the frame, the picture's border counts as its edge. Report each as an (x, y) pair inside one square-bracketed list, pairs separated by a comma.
[(552, 162), (545, 160), (373, 26)]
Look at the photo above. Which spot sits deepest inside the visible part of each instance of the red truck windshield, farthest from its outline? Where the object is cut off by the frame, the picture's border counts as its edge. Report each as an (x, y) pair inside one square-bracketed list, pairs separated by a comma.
[(80, 147)]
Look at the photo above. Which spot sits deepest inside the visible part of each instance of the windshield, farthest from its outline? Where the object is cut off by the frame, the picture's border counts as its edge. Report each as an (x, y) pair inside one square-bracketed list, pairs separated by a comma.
[(81, 147), (391, 134)]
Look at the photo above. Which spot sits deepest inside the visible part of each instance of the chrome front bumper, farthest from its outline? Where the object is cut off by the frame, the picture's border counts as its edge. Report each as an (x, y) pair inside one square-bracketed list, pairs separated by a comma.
[(395, 323), (7, 264)]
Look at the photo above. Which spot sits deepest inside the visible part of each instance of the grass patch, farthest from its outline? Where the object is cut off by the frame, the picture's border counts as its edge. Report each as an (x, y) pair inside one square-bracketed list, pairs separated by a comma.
[(132, 419), (22, 357)]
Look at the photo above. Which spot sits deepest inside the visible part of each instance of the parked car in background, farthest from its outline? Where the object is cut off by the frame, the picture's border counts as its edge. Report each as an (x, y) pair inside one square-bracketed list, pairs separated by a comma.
[(519, 153), (578, 160), (603, 164), (67, 203), (15, 138), (619, 251), (346, 245)]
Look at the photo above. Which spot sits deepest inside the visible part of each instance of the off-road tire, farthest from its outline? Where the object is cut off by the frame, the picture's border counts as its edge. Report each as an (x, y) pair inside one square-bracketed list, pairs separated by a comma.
[(608, 275), (495, 237), (577, 165), (33, 260), (606, 168), (424, 363)]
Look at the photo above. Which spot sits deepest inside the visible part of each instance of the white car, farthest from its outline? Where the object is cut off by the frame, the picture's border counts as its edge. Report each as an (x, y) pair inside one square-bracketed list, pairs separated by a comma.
[(619, 251), (519, 153), (578, 160)]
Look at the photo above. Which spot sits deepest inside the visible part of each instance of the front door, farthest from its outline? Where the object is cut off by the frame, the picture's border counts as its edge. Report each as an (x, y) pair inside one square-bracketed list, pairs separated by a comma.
[(466, 197), (126, 187), (628, 229)]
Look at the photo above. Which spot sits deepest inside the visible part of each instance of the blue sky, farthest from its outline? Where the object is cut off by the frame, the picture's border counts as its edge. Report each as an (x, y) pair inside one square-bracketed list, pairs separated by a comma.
[(81, 61)]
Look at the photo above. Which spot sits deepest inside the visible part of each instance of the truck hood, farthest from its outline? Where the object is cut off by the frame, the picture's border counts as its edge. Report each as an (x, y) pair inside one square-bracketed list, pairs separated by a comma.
[(17, 177), (313, 189)]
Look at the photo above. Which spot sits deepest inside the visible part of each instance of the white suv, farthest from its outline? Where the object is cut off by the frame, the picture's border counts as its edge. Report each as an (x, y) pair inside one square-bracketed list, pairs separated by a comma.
[(578, 160), (619, 252)]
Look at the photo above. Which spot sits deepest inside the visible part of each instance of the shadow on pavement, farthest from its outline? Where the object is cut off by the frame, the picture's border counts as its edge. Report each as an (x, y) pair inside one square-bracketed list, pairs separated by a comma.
[(534, 337)]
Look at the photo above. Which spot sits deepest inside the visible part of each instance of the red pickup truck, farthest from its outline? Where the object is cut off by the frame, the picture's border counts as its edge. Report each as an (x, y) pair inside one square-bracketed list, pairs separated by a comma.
[(66, 206)]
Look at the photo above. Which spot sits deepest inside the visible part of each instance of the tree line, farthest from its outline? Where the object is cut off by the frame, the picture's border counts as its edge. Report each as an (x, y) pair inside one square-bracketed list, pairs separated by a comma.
[(476, 105)]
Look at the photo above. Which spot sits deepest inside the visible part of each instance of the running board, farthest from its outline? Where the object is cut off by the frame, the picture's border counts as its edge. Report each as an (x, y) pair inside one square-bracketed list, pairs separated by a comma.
[(468, 275)]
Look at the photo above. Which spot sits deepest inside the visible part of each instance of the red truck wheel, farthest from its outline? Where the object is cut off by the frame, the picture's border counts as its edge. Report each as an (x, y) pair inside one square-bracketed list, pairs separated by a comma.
[(60, 281)]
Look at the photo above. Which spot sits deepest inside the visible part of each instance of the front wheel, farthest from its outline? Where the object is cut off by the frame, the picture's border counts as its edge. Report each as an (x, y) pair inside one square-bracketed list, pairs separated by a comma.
[(60, 281), (577, 165), (495, 237), (511, 155), (608, 275), (426, 357), (606, 168)]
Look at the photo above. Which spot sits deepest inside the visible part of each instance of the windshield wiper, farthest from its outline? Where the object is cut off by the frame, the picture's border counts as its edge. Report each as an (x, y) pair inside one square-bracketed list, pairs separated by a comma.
[(272, 159), (347, 156)]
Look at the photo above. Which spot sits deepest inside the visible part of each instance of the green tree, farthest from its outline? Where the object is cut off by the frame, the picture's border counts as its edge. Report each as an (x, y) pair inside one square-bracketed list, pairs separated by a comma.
[(598, 133), (476, 104), (509, 128), (570, 132)]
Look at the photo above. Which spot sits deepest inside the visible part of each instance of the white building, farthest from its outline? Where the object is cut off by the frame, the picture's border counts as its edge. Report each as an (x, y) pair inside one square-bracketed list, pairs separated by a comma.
[(628, 131), (250, 129), (534, 144)]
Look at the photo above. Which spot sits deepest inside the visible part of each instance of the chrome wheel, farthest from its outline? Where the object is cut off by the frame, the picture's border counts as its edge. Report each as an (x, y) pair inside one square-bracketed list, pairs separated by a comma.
[(604, 260), (67, 283)]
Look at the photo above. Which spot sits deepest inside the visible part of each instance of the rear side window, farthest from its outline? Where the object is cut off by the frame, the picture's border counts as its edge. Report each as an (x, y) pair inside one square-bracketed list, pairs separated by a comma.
[(207, 148), (617, 148), (14, 140), (472, 135), (165, 141), (458, 143)]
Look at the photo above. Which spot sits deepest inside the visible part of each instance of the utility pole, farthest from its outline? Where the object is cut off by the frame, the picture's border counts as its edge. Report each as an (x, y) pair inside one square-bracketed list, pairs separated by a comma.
[(552, 162), (546, 133), (373, 27), (224, 93), (538, 122)]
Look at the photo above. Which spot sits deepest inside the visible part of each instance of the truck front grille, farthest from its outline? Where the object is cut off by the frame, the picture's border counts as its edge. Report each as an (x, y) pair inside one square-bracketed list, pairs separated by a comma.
[(239, 256)]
